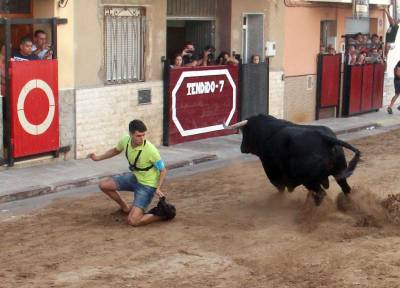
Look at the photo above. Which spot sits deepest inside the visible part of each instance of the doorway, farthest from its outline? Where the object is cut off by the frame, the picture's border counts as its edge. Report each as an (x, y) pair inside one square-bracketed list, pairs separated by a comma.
[(200, 32), (328, 33), (253, 36)]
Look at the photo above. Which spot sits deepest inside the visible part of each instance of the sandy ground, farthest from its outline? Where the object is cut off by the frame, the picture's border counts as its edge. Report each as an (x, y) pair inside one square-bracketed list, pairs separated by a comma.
[(232, 230)]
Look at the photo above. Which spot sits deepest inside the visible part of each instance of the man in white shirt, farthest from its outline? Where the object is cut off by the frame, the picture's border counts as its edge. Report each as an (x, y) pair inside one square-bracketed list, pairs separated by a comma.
[(40, 46)]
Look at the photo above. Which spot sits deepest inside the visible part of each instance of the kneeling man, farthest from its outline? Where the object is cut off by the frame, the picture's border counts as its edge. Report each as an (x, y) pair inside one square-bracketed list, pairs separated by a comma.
[(148, 174)]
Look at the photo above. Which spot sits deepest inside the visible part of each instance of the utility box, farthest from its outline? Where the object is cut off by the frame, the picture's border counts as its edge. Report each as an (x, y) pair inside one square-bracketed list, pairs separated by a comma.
[(270, 48)]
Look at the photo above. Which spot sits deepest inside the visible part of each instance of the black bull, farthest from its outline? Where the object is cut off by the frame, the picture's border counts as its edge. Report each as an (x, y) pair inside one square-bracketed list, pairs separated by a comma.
[(294, 155)]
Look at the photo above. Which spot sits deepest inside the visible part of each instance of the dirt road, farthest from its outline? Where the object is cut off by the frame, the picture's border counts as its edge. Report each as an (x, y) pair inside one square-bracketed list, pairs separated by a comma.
[(232, 230)]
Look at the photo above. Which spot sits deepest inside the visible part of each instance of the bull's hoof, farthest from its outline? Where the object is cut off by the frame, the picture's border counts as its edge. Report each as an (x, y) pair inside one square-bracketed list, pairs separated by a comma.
[(318, 197), (344, 203), (346, 190), (325, 183)]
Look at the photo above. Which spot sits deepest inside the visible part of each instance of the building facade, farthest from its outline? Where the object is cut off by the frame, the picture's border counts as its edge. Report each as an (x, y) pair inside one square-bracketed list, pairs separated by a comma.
[(99, 95), (111, 55)]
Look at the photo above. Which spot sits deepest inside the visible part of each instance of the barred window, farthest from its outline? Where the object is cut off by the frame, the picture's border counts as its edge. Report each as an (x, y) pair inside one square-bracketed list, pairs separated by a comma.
[(124, 44)]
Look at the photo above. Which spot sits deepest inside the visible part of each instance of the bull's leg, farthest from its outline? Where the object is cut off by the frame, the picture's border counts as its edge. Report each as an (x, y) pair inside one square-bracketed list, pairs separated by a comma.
[(317, 192), (343, 184)]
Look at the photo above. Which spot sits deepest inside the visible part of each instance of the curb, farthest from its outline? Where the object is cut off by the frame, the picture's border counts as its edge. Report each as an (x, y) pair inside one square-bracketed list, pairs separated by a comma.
[(34, 191), (358, 128)]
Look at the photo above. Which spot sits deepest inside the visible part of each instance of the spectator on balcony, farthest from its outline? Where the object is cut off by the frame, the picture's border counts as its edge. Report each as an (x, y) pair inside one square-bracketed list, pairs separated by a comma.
[(178, 61), (358, 41), (366, 41), (374, 56), (375, 42), (255, 59), (25, 50), (396, 88), (225, 59), (391, 32), (40, 46), (382, 55), (208, 56), (189, 57), (361, 59), (331, 50), (353, 58), (350, 50)]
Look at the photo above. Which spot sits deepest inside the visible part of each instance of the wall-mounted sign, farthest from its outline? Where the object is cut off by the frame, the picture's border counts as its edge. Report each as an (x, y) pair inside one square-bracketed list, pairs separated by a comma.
[(34, 107), (200, 101), (360, 9)]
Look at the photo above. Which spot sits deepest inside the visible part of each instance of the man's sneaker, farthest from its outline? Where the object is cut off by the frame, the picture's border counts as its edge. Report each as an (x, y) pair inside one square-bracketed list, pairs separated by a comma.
[(389, 110), (398, 107)]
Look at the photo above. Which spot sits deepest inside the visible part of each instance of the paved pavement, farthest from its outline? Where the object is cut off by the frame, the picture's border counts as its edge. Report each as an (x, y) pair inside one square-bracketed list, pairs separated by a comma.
[(53, 176)]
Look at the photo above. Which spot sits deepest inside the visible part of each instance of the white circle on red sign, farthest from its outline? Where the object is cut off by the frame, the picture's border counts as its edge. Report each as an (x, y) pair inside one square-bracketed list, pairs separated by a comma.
[(26, 125)]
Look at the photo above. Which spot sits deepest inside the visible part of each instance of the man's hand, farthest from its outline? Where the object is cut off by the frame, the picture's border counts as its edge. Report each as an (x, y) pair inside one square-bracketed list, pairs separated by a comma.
[(93, 157), (48, 55), (185, 52), (160, 193)]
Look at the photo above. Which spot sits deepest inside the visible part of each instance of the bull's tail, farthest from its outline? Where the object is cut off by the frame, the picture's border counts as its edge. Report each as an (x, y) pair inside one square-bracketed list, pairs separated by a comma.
[(352, 163)]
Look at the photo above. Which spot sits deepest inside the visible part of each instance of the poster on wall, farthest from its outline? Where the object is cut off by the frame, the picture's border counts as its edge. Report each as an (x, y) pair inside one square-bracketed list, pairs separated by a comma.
[(360, 9)]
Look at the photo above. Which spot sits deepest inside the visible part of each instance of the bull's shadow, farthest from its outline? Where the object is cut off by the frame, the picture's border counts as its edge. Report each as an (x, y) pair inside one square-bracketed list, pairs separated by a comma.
[(294, 155)]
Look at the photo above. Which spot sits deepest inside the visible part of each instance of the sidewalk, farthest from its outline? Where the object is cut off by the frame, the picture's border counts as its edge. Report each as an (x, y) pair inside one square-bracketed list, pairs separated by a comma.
[(19, 183)]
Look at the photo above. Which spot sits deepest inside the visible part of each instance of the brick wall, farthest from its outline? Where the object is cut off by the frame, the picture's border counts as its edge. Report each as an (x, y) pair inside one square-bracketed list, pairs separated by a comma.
[(300, 98), (276, 94), (103, 115), (67, 121)]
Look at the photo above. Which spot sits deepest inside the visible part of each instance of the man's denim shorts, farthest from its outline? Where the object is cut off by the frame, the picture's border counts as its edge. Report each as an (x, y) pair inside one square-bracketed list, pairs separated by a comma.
[(143, 194)]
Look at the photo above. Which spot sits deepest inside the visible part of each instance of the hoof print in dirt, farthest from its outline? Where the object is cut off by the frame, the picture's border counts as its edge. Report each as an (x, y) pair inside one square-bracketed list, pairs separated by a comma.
[(368, 221), (392, 207)]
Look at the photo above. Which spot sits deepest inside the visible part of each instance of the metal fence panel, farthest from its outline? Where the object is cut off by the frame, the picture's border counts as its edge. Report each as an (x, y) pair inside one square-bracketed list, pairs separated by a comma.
[(254, 92), (191, 8)]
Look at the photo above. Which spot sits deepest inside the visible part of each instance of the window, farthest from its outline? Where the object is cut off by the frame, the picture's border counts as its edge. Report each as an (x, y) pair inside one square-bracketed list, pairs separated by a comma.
[(124, 44), (15, 7)]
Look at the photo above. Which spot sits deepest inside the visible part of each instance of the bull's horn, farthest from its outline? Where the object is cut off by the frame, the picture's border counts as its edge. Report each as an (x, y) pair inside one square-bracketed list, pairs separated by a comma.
[(236, 126)]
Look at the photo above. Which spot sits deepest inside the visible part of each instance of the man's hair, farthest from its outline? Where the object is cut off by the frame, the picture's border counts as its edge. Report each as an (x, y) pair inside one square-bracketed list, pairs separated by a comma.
[(25, 40), (37, 32), (187, 43), (137, 125)]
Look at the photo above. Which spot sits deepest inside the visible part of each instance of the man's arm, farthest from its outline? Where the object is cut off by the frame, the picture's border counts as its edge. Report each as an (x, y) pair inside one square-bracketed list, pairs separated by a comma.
[(194, 63), (160, 166), (163, 174), (110, 153), (392, 22)]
